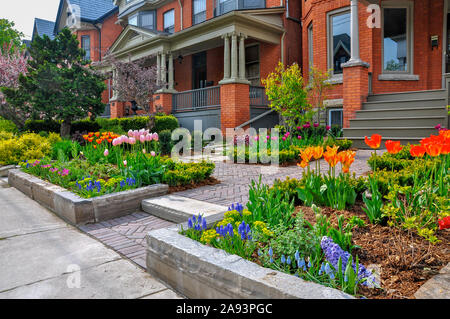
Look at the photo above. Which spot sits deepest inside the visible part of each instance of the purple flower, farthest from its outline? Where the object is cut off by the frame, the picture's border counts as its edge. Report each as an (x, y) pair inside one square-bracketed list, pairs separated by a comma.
[(244, 230), (328, 127), (307, 125), (333, 252), (316, 124), (438, 127)]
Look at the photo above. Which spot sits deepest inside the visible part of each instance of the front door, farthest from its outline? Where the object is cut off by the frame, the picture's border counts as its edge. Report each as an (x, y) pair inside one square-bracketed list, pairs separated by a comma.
[(199, 70), (447, 47)]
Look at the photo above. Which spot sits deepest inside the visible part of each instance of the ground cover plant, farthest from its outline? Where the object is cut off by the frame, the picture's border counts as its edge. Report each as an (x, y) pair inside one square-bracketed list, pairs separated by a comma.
[(108, 163), (377, 236)]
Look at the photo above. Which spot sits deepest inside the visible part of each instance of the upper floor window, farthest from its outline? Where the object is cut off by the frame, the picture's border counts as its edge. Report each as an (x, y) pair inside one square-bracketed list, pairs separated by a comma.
[(86, 46), (143, 19), (396, 39), (199, 11), (339, 40), (224, 6), (169, 21)]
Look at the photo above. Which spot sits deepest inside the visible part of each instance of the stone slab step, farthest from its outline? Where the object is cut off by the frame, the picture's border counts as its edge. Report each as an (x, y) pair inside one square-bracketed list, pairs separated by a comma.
[(393, 104), (429, 94), (179, 209), (402, 112), (412, 121)]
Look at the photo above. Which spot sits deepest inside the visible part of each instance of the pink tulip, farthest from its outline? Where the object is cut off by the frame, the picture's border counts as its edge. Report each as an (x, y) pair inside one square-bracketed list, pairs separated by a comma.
[(130, 133), (155, 137), (284, 138), (132, 140), (106, 152), (125, 163), (152, 153), (142, 138), (149, 137), (144, 151)]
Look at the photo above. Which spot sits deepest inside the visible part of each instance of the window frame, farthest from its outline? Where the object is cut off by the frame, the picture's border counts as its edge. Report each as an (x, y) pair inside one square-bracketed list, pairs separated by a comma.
[(88, 52), (164, 21), (247, 63), (330, 45), (310, 33), (139, 15), (409, 6), (335, 109), (198, 13)]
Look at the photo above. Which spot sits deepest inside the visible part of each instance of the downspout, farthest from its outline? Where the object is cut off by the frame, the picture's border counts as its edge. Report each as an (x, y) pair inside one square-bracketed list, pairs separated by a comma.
[(99, 41), (181, 14), (282, 46)]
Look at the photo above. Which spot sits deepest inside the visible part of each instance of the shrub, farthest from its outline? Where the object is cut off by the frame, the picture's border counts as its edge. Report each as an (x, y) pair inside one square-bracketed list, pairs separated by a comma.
[(166, 122), (36, 126), (180, 174), (7, 125), (133, 123), (165, 141), (85, 125), (64, 149), (26, 147)]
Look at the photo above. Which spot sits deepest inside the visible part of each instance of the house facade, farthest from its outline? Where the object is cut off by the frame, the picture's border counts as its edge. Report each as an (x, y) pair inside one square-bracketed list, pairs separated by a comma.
[(388, 60), (212, 54)]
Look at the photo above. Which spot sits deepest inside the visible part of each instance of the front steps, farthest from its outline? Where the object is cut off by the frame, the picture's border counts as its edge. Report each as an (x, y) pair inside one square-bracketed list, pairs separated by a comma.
[(407, 117)]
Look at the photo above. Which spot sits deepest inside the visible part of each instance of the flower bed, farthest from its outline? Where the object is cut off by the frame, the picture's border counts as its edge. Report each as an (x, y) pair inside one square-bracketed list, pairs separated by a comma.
[(402, 236), (109, 163)]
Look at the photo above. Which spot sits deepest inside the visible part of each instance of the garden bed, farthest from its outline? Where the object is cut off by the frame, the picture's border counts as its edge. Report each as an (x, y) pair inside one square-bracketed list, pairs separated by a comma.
[(198, 271), (77, 210)]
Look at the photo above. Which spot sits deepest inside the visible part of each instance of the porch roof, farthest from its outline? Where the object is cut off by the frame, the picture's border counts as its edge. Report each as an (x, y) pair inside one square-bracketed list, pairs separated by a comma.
[(262, 24)]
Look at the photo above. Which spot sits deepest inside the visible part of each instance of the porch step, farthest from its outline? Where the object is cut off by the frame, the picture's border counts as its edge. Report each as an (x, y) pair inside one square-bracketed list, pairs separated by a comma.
[(412, 95), (403, 132), (358, 142), (402, 112), (405, 103), (399, 122)]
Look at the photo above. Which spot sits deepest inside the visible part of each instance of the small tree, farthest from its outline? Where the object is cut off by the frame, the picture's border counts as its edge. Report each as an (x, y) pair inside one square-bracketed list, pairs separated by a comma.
[(318, 87), (134, 81), (59, 84), (13, 62), (287, 94)]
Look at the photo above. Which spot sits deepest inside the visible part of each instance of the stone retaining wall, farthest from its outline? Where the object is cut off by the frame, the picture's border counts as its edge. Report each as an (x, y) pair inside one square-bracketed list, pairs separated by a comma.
[(77, 210), (198, 271)]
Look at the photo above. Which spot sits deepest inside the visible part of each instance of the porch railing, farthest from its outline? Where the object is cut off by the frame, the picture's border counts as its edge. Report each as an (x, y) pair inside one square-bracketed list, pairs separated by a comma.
[(196, 99), (258, 96)]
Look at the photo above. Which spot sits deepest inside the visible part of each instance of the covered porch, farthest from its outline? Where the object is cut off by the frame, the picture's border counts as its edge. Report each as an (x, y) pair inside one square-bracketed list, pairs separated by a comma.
[(211, 71)]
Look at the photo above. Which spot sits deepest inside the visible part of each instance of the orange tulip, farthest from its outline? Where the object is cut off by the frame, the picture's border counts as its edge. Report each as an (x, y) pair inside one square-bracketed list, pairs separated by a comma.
[(303, 164), (317, 152), (374, 141), (85, 137), (90, 140), (331, 155), (433, 149), (97, 134), (417, 151), (306, 154), (91, 134), (99, 141), (95, 146), (393, 147)]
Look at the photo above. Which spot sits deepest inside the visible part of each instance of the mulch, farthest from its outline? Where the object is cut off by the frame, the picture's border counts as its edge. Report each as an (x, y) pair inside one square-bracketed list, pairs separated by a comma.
[(406, 260), (205, 182)]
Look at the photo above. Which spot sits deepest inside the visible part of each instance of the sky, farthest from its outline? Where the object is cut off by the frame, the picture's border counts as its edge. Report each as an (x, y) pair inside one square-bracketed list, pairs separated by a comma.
[(23, 12)]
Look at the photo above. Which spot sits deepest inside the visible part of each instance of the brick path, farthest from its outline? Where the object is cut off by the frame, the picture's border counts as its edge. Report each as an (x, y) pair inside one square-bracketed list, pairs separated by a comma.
[(126, 235)]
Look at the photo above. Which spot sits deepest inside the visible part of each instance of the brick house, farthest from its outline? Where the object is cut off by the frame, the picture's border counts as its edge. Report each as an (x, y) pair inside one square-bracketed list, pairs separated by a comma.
[(388, 60), (212, 55), (95, 25)]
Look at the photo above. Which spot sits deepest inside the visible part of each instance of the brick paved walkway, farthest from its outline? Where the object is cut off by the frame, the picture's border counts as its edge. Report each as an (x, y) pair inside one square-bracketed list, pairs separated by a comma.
[(126, 235)]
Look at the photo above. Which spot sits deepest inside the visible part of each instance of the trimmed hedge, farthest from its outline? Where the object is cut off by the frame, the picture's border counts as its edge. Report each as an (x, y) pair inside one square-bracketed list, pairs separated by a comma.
[(162, 123)]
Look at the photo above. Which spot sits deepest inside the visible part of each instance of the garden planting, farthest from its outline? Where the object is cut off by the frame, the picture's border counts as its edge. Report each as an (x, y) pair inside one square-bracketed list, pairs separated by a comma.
[(377, 236)]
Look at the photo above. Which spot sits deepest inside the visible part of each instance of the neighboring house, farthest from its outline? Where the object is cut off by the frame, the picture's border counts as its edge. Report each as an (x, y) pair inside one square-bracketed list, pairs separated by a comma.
[(95, 24), (212, 55), (395, 77), (43, 27)]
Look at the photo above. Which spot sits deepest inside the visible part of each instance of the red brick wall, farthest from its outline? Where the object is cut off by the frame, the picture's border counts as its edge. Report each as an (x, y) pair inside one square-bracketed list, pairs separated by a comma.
[(110, 32), (235, 105), (160, 15), (428, 20), (356, 88)]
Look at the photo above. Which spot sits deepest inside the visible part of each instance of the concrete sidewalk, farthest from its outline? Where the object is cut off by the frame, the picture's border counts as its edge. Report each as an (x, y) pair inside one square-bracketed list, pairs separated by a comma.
[(43, 257)]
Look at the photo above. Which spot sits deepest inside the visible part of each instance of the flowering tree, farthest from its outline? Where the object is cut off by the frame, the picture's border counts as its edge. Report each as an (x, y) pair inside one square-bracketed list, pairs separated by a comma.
[(318, 87), (12, 63), (135, 81), (59, 83)]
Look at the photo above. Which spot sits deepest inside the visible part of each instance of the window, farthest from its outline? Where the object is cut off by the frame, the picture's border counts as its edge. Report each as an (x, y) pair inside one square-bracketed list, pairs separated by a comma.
[(86, 46), (335, 117), (339, 40), (310, 46), (252, 64), (396, 40), (143, 19), (199, 11), (169, 21), (224, 6)]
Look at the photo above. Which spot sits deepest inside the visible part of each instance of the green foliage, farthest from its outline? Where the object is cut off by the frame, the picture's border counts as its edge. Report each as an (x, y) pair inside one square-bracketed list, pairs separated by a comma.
[(181, 174), (7, 125), (374, 204), (285, 89), (36, 126), (59, 84), (165, 122), (85, 125), (9, 35), (165, 142), (66, 149), (343, 144)]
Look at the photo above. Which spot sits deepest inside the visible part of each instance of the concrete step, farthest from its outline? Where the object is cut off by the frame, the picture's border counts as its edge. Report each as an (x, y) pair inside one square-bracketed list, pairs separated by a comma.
[(358, 142), (429, 121), (179, 209), (406, 103), (403, 112), (404, 132), (412, 95)]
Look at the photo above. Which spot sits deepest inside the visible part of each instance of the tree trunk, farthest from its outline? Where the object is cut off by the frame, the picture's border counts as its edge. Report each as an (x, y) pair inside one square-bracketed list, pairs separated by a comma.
[(65, 128)]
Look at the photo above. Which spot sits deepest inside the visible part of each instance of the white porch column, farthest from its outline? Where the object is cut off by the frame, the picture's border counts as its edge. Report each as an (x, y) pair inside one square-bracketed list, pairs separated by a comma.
[(234, 56), (242, 57), (354, 23), (226, 57), (158, 69), (171, 70), (163, 69)]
